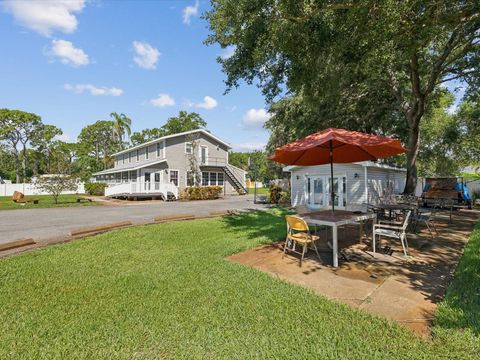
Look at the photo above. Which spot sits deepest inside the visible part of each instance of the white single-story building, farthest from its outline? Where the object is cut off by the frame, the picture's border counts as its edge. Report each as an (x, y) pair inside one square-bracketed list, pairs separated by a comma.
[(355, 184)]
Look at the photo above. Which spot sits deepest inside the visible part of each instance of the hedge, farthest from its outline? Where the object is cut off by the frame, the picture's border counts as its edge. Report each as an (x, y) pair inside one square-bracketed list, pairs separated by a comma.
[(202, 192), (96, 188)]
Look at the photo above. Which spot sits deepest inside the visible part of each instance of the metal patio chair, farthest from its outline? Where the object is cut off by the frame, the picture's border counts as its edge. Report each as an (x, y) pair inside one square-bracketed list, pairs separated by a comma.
[(393, 231)]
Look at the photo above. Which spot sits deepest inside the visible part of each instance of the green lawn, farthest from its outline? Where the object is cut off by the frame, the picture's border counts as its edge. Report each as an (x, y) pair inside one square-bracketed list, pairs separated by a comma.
[(260, 191), (167, 291), (46, 201)]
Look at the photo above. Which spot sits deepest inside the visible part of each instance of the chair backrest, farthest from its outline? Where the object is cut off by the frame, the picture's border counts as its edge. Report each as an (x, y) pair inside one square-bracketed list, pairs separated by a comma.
[(405, 221), (296, 223)]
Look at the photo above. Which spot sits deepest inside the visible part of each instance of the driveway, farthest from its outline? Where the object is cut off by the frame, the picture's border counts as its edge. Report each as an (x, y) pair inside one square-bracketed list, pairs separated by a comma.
[(51, 223)]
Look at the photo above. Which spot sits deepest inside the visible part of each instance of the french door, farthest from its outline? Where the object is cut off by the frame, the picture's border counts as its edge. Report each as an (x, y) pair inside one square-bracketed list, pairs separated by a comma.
[(318, 191)]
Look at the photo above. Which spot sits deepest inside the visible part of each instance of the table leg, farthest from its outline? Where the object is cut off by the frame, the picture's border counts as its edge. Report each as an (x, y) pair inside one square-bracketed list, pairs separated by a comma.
[(335, 246)]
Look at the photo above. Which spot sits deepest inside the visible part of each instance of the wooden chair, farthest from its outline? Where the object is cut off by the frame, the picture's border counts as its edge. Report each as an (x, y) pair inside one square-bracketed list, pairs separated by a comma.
[(393, 231), (298, 233)]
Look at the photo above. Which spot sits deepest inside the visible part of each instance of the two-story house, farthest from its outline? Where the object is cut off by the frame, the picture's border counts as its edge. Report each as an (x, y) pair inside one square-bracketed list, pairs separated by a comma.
[(161, 168)]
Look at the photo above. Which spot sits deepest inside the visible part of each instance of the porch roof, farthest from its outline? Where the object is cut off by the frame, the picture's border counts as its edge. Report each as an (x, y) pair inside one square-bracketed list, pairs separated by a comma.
[(129, 168)]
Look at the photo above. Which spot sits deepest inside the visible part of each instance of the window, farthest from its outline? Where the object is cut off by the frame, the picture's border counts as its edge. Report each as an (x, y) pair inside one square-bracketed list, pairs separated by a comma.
[(138, 155), (123, 158), (125, 176), (213, 178), (133, 176), (146, 152), (129, 157), (188, 148), (190, 179), (174, 177), (160, 151), (204, 178), (220, 179)]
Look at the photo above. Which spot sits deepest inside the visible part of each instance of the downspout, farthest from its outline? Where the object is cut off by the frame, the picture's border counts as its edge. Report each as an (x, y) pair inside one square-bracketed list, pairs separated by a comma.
[(366, 183)]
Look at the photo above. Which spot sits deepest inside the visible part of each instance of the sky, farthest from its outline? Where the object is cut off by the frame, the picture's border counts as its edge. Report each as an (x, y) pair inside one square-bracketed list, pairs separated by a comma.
[(73, 62)]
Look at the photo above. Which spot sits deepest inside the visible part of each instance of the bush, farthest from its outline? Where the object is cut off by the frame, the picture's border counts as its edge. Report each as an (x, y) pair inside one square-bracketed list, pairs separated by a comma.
[(279, 196), (96, 188), (202, 192)]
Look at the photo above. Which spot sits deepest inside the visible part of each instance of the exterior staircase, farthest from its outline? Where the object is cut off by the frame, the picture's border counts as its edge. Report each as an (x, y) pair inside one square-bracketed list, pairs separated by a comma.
[(238, 183)]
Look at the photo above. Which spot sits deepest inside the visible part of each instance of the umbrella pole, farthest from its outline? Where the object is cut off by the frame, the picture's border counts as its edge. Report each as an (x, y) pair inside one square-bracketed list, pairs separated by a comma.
[(332, 194)]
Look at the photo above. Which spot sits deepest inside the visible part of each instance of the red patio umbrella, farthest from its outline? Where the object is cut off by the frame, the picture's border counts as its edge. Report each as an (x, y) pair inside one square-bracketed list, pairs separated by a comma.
[(336, 146)]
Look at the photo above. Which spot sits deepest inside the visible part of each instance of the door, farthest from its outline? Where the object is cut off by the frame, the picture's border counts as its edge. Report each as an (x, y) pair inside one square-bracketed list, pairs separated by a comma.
[(340, 190), (203, 154), (157, 181), (316, 191), (147, 178)]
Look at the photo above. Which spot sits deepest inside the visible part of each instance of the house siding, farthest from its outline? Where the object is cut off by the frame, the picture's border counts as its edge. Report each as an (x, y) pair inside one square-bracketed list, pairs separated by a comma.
[(355, 183)]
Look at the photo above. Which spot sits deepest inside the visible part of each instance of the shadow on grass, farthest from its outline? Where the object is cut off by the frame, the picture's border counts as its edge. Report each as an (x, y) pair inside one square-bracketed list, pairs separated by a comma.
[(268, 225), (461, 307)]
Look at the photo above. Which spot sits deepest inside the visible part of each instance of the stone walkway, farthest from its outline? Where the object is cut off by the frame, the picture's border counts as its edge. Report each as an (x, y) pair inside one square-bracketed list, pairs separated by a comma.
[(405, 290)]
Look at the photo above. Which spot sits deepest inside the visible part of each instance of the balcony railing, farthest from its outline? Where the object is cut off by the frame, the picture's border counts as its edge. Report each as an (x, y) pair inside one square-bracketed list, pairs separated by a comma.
[(142, 188)]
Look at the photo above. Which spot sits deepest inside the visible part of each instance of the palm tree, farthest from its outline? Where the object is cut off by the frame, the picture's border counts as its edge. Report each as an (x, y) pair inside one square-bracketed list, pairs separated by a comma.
[(121, 125)]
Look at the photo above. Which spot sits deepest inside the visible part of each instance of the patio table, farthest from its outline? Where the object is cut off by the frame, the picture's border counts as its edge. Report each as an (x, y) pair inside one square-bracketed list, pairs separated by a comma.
[(393, 207), (336, 219)]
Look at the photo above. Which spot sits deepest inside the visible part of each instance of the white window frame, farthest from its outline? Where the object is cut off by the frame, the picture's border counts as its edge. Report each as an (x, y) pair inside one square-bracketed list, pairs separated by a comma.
[(200, 154), (216, 181), (170, 176), (191, 148), (161, 153)]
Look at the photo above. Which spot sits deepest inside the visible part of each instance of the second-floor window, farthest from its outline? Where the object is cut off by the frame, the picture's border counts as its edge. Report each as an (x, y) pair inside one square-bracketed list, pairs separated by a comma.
[(129, 157), (160, 149), (123, 158), (137, 155), (188, 148), (146, 153)]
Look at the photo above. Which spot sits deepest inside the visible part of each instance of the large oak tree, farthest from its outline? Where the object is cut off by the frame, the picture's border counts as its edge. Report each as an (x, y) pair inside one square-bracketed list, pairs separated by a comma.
[(379, 62)]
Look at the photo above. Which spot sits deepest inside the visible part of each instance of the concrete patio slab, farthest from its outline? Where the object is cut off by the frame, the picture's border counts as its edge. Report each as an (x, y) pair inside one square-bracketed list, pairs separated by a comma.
[(406, 290)]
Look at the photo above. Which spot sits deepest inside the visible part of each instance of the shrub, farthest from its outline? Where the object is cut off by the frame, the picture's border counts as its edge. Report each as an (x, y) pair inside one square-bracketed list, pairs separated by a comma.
[(202, 192), (95, 188), (275, 194)]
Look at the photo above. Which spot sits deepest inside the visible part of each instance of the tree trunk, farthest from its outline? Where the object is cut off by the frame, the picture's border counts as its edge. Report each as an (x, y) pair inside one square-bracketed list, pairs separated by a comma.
[(24, 162), (413, 143), (17, 165)]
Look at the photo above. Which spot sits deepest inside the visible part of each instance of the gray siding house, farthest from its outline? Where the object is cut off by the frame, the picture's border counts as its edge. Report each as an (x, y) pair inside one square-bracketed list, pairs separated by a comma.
[(161, 168), (355, 184)]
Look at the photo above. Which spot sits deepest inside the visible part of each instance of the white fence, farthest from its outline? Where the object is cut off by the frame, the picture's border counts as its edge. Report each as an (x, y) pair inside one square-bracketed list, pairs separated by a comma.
[(30, 189)]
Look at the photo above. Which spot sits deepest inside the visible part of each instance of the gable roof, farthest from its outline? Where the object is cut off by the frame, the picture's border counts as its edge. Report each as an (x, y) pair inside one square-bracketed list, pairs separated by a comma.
[(203, 131)]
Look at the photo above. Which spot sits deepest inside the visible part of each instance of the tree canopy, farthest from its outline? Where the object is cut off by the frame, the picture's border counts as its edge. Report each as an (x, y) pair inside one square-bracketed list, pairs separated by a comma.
[(366, 65)]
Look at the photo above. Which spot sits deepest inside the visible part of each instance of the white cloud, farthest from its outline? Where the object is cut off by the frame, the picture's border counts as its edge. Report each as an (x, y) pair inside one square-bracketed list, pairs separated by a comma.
[(146, 55), (207, 103), (46, 16), (189, 12), (252, 146), (255, 118), (68, 54), (94, 90), (228, 52), (162, 100), (63, 137)]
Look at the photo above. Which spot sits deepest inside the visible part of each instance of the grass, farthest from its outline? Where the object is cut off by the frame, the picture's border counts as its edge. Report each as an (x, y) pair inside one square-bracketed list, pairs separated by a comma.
[(167, 291), (45, 201), (260, 191), (458, 315)]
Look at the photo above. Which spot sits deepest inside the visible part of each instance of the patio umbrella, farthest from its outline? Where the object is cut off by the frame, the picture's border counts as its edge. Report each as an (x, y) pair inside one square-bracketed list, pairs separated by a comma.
[(336, 146)]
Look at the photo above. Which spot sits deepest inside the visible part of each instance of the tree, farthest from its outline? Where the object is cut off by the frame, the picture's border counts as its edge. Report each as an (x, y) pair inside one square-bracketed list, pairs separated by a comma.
[(193, 161), (121, 125), (146, 135), (56, 184), (17, 128), (176, 124), (355, 51), (95, 141), (43, 142), (183, 122)]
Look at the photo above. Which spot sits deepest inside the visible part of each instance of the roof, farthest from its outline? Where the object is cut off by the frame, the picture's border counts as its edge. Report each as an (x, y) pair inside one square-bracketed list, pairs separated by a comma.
[(368, 164), (129, 168), (203, 131)]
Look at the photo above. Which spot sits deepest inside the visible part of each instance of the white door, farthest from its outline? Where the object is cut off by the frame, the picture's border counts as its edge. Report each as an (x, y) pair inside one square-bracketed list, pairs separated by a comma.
[(316, 190), (340, 190)]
